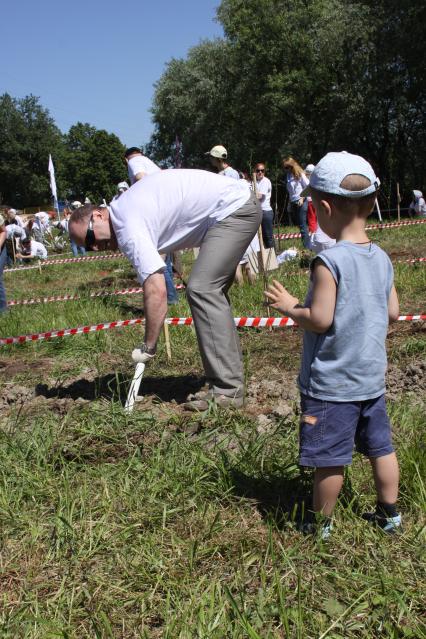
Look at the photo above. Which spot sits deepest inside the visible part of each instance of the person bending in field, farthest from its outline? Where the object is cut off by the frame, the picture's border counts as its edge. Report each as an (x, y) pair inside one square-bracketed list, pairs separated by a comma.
[(345, 318), (31, 249)]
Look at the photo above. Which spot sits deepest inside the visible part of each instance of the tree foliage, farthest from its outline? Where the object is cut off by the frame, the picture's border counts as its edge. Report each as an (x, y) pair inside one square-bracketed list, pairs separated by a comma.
[(303, 77), (88, 161), (93, 161), (27, 136)]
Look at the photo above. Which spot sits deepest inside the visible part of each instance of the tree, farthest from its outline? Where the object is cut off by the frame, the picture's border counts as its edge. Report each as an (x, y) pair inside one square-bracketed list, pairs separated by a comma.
[(94, 162), (27, 135), (301, 78)]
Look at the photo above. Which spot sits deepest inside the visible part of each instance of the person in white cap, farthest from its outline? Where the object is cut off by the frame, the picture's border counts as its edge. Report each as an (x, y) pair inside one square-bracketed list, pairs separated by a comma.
[(418, 205), (122, 187), (345, 318), (14, 233), (13, 217), (138, 164), (218, 159), (173, 210), (3, 258)]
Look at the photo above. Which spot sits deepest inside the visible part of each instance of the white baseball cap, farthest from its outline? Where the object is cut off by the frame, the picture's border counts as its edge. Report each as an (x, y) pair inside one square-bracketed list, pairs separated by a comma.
[(76, 204), (12, 211), (309, 168), (218, 151), (332, 169), (122, 186)]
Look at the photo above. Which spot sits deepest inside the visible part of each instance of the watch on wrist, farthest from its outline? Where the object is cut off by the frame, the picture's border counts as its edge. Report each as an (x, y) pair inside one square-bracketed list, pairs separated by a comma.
[(151, 350)]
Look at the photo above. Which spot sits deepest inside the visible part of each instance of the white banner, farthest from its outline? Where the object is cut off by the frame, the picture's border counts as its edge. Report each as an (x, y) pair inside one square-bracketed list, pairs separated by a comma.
[(53, 182)]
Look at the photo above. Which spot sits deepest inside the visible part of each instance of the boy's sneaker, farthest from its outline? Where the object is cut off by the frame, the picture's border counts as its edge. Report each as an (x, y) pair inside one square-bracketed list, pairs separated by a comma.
[(322, 531), (389, 525)]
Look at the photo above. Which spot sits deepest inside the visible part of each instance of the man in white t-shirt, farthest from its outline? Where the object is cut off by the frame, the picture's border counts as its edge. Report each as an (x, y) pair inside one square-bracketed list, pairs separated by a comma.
[(138, 164), (218, 159), (173, 210)]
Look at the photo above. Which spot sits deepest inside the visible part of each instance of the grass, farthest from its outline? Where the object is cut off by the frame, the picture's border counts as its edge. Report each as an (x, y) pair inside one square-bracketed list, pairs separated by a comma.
[(175, 527)]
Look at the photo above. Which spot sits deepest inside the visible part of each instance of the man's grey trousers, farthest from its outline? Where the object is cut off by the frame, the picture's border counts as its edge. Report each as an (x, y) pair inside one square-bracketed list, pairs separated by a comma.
[(212, 275)]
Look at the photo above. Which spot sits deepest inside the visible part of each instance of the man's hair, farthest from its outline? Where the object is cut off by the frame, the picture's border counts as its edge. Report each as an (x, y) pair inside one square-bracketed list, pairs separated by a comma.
[(359, 206), (131, 150), (83, 213)]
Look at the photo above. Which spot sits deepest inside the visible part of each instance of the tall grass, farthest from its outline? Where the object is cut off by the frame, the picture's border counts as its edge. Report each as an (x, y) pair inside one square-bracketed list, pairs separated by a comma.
[(129, 526)]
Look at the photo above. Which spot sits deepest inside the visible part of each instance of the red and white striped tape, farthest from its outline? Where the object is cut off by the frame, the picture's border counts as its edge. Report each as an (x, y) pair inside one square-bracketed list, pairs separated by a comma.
[(66, 298), (388, 225), (240, 322), (393, 225), (412, 260), (68, 260)]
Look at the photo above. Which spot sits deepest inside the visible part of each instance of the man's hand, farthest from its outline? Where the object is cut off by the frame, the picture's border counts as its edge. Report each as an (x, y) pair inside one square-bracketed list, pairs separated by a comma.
[(280, 298), (301, 200), (142, 354)]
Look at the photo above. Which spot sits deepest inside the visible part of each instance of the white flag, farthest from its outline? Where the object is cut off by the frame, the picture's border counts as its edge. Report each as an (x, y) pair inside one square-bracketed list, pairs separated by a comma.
[(53, 182)]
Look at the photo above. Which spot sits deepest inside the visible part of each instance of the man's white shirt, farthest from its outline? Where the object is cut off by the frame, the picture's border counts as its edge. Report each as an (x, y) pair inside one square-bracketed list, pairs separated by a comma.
[(172, 210), (230, 172), (140, 164)]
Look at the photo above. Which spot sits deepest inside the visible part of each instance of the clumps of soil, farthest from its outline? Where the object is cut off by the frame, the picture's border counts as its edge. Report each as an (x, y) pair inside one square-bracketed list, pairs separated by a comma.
[(15, 395), (26, 399), (271, 401), (410, 380), (268, 401)]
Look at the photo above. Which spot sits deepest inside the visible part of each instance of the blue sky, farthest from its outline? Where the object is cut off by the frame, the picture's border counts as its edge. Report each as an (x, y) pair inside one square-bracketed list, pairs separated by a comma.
[(96, 61)]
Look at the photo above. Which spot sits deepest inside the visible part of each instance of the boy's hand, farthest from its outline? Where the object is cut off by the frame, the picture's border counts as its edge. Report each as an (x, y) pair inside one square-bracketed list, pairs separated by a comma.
[(280, 298)]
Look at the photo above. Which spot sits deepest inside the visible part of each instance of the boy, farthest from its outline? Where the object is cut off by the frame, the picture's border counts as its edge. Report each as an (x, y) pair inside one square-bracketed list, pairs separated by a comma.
[(345, 319)]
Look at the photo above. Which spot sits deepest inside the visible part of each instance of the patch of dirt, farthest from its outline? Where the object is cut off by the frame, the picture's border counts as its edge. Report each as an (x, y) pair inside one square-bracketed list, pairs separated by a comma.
[(11, 367), (108, 282), (268, 401), (410, 380)]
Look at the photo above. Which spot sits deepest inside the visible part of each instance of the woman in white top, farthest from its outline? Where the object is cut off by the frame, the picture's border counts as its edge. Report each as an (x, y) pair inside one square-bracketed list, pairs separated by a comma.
[(296, 181), (263, 192)]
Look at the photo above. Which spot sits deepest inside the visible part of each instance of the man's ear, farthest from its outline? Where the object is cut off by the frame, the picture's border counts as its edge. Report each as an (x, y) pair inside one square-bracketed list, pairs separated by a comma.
[(100, 214)]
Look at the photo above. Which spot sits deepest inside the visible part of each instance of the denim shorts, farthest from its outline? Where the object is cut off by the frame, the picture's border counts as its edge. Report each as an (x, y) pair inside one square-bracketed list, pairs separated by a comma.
[(330, 430)]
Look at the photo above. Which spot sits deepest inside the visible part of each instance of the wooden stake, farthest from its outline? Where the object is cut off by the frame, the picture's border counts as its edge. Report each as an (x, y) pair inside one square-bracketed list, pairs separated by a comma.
[(167, 340), (398, 201)]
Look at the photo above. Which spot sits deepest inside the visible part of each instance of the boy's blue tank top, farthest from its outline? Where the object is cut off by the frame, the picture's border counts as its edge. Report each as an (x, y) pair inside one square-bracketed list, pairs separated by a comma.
[(348, 362)]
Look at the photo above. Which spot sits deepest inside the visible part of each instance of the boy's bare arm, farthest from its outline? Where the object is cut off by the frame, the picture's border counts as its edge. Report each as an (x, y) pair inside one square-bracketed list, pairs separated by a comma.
[(319, 317), (393, 305)]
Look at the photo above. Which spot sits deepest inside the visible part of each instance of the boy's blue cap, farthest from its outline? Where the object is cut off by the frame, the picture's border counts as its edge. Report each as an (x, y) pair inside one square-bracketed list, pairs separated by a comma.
[(332, 169)]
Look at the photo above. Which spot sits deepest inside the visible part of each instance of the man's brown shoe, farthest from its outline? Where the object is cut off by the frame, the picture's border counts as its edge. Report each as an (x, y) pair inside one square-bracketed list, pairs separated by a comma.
[(223, 401)]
